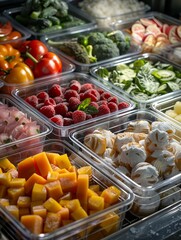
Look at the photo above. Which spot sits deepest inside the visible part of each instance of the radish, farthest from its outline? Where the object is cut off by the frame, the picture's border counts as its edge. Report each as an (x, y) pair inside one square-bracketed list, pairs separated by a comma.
[(158, 23), (146, 22), (138, 28), (164, 27), (153, 29), (179, 31)]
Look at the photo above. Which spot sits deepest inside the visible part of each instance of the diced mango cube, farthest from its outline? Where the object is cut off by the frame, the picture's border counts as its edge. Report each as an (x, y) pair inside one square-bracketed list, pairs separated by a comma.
[(4, 202), (52, 205), (72, 205), (14, 194), (79, 213), (5, 179), (13, 209), (17, 182), (82, 188), (35, 178), (42, 164), (40, 211), (111, 194), (52, 222), (96, 203), (52, 176), (26, 168), (85, 170), (24, 202), (68, 182), (110, 223), (33, 222), (24, 211), (6, 165), (63, 161), (3, 190), (39, 192), (54, 189), (64, 212)]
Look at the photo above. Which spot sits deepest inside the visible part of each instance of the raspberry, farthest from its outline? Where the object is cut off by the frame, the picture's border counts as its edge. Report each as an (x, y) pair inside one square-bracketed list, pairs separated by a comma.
[(32, 100), (50, 101), (73, 103), (100, 90), (102, 102), (122, 105), (103, 109), (39, 105), (69, 114), (55, 91), (61, 108), (81, 95), (113, 99), (92, 94), (48, 111), (58, 99), (71, 93), (112, 106), (88, 116), (105, 95), (85, 87), (58, 119), (75, 85), (42, 96), (78, 116), (68, 121), (94, 104)]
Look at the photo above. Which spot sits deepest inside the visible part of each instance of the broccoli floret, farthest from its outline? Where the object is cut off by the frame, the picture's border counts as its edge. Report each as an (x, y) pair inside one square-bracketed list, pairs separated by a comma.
[(92, 58), (72, 49), (95, 38), (123, 46), (105, 51), (83, 40), (116, 36)]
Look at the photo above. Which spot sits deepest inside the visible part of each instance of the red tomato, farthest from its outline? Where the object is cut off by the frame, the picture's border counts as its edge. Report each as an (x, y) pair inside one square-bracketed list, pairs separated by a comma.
[(37, 49)]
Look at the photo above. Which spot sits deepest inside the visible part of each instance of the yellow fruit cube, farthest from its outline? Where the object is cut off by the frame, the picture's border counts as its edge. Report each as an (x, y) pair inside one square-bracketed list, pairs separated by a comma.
[(111, 194), (54, 189), (39, 192), (52, 205), (4, 202), (24, 202), (14, 210), (52, 222), (17, 182), (6, 165), (96, 203), (79, 213), (177, 107)]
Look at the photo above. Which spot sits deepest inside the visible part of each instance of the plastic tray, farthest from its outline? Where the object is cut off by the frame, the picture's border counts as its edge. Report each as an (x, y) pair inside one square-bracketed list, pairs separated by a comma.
[(16, 42), (72, 37), (147, 199), (67, 67), (141, 103), (162, 226), (23, 142), (173, 53), (81, 229), (64, 81), (89, 22), (165, 105), (106, 19), (161, 17)]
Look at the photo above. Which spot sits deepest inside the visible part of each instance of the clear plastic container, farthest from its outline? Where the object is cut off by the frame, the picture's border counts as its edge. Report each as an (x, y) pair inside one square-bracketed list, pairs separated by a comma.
[(89, 227), (18, 141), (15, 42), (89, 22), (173, 53), (165, 107), (72, 37), (67, 67), (140, 101), (162, 226), (149, 198), (163, 37), (106, 19), (64, 81)]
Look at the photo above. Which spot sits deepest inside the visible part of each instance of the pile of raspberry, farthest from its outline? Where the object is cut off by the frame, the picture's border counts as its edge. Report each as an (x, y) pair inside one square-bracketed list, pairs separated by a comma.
[(60, 104)]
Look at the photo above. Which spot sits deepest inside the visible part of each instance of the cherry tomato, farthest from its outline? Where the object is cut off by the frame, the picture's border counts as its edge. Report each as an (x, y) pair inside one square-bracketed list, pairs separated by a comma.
[(37, 49), (5, 28)]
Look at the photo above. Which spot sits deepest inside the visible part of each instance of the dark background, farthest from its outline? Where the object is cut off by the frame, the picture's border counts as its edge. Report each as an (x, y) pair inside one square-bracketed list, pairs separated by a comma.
[(169, 7)]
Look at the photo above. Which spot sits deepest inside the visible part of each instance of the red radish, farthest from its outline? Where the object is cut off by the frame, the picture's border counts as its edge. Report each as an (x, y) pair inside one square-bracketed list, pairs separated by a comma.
[(172, 32), (162, 35), (164, 27), (150, 40), (137, 38), (153, 29), (169, 28), (179, 31), (174, 39), (146, 22), (158, 23), (137, 28)]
